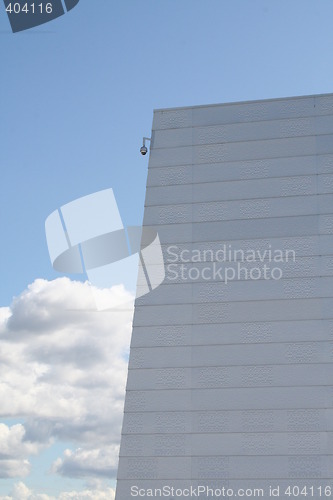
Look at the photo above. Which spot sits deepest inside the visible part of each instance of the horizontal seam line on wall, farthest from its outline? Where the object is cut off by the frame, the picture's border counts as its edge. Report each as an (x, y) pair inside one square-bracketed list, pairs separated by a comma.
[(230, 432), (290, 138), (192, 222), (239, 200), (228, 410), (221, 141), (180, 389), (200, 183), (250, 343), (287, 299)]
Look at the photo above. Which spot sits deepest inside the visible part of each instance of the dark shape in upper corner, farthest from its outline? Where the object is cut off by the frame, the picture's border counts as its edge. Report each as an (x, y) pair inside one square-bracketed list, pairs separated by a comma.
[(70, 4), (22, 20)]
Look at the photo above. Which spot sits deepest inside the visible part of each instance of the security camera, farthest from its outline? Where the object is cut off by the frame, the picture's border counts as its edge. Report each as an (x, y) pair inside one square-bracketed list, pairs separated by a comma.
[(144, 149)]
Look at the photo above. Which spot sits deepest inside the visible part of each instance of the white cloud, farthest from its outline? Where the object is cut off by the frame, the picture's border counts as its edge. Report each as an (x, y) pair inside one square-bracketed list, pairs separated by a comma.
[(14, 448), (13, 442), (63, 368), (22, 492), (108, 494), (14, 467), (87, 463)]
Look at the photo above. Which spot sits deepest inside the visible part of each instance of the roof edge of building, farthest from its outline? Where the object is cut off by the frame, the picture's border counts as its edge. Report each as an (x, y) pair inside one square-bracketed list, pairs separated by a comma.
[(233, 103)]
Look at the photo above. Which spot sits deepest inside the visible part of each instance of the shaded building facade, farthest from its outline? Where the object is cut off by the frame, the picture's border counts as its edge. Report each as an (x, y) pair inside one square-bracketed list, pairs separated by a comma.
[(230, 380)]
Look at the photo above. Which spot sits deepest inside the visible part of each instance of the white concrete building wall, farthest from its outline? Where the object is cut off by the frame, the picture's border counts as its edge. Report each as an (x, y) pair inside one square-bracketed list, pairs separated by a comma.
[(231, 384)]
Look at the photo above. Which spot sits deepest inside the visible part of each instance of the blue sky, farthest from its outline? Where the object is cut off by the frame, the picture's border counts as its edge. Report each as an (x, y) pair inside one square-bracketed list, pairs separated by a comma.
[(77, 96)]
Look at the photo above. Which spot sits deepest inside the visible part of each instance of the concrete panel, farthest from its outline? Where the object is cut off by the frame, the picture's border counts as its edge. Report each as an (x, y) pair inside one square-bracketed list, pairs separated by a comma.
[(240, 190), (234, 333), (247, 169), (250, 150), (152, 468), (253, 111), (240, 209), (270, 444), (258, 355), (193, 272), (270, 375), (250, 131), (251, 311), (176, 118), (220, 422), (310, 225), (275, 398), (170, 176), (294, 255), (316, 245), (248, 289), (180, 357), (237, 112)]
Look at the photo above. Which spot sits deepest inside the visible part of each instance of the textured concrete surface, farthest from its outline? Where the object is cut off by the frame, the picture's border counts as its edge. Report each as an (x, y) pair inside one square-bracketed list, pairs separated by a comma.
[(231, 384)]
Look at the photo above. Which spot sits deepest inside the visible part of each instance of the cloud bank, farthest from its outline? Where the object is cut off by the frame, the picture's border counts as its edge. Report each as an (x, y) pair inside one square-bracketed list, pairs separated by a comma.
[(63, 368), (22, 492)]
